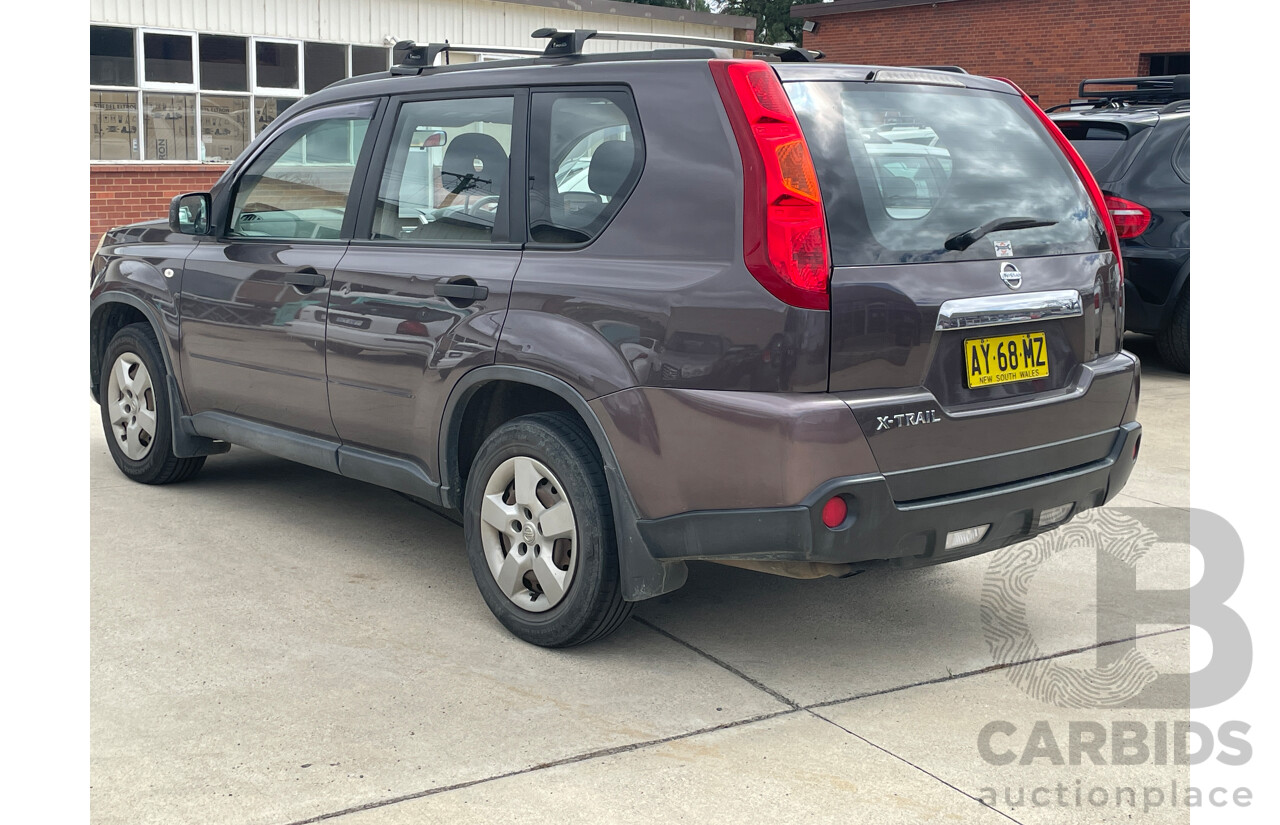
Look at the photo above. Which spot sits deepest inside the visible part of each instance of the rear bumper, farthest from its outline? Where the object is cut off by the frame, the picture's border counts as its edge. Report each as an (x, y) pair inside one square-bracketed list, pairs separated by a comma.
[(882, 531)]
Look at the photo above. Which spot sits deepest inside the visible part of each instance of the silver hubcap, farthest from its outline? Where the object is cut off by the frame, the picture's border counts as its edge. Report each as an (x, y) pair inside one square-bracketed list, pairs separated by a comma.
[(131, 406), (529, 534)]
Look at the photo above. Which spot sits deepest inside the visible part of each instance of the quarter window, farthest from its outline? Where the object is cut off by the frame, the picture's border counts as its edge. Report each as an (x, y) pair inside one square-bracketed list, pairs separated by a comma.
[(585, 158), (446, 178), (300, 185)]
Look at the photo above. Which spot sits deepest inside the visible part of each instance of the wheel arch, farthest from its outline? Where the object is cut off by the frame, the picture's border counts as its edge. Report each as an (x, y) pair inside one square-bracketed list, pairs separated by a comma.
[(111, 312), (487, 397)]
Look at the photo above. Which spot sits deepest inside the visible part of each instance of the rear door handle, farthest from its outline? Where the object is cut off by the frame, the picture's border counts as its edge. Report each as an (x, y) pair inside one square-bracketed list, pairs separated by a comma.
[(305, 277), (467, 290)]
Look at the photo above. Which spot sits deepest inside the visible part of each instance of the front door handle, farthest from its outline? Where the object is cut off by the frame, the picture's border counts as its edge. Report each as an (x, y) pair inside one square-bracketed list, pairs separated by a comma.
[(305, 279), (463, 289)]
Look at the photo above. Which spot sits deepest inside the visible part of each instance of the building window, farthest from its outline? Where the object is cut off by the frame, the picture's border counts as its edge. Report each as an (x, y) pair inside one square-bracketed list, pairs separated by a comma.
[(167, 58), (277, 65), (224, 63), (111, 56), (184, 97), (367, 60), (1164, 64), (326, 63), (170, 123), (113, 126)]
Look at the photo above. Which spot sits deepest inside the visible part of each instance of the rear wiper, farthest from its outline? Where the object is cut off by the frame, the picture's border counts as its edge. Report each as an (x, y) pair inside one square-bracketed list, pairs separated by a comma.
[(964, 240)]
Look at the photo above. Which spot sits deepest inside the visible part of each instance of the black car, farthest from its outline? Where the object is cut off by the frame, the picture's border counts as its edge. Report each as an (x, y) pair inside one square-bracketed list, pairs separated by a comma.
[(623, 311), (1137, 142)]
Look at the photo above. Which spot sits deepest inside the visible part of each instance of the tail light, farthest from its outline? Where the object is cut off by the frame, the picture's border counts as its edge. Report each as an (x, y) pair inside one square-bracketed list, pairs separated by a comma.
[(1131, 219), (412, 328), (1086, 177), (784, 232)]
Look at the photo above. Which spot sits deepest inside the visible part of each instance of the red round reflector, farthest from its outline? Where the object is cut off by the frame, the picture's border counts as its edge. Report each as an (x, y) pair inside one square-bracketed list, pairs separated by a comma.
[(834, 512)]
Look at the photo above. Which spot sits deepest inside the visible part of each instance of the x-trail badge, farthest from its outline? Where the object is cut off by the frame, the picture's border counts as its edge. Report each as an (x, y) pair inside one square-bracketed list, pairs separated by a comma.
[(1011, 275)]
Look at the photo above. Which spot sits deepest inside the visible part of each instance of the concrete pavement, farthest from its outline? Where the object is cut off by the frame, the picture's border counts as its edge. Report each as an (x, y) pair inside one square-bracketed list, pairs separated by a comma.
[(275, 644)]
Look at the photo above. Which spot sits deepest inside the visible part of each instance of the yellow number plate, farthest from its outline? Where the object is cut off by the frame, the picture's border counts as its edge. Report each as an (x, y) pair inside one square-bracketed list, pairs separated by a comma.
[(990, 361)]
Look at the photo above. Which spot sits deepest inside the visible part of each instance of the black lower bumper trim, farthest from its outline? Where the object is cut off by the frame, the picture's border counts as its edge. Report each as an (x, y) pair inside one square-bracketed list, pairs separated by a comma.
[(880, 530)]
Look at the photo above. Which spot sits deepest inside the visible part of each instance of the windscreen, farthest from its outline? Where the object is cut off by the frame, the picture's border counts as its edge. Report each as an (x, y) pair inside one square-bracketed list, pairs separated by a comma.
[(909, 172)]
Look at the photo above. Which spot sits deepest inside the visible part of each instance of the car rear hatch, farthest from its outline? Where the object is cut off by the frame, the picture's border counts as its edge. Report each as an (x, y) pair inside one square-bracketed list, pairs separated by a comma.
[(974, 297)]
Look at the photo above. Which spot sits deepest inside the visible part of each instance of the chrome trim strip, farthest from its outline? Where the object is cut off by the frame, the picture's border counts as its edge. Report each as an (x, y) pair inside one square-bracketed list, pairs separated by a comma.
[(996, 310)]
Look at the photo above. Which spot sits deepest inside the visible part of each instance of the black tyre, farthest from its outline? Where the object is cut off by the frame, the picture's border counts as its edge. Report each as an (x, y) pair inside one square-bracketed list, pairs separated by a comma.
[(134, 399), (539, 532), (1174, 343)]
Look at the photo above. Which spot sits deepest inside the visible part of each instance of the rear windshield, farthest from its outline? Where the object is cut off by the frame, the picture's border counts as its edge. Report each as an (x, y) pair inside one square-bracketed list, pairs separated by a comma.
[(905, 168), (1099, 144)]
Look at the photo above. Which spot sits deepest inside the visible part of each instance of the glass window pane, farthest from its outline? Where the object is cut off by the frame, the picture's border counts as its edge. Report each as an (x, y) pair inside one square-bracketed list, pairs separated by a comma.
[(446, 173), (167, 58), (170, 126), (113, 125), (224, 126), (111, 56), (224, 63), (277, 65), (367, 59), (284, 195), (326, 63), (585, 159), (267, 109)]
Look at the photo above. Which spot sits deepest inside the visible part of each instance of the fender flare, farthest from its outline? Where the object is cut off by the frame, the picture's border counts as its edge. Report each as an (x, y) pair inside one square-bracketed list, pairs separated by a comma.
[(642, 575), (186, 444)]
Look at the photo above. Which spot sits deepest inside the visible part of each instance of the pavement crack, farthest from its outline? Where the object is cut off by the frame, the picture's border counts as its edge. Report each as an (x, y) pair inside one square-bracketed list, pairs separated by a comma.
[(756, 683), (905, 761), (568, 760)]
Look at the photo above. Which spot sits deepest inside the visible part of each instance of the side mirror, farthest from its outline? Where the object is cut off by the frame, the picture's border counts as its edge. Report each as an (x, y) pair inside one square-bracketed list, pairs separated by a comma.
[(189, 213)]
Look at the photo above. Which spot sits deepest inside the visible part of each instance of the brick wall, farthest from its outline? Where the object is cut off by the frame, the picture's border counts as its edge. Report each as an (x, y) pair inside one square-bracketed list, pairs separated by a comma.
[(120, 194), (1045, 46)]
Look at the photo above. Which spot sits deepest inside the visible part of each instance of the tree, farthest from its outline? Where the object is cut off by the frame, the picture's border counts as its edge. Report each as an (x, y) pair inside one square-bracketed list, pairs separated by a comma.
[(774, 23)]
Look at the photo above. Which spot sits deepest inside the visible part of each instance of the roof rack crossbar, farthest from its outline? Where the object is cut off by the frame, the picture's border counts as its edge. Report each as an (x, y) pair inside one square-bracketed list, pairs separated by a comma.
[(564, 43), (412, 58)]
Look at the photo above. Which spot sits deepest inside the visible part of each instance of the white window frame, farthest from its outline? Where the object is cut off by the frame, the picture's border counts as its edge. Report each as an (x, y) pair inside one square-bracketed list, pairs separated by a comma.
[(278, 91), (141, 57)]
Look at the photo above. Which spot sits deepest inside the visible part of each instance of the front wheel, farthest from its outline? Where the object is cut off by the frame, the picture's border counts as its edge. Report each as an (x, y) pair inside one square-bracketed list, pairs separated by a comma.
[(134, 398), (539, 533)]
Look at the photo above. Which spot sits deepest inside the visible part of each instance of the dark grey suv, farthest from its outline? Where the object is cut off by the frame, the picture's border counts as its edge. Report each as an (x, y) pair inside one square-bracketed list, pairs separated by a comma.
[(627, 311)]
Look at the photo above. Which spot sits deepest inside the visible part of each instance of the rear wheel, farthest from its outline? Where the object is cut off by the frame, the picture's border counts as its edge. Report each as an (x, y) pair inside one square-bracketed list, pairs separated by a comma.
[(134, 399), (1174, 343), (539, 533)]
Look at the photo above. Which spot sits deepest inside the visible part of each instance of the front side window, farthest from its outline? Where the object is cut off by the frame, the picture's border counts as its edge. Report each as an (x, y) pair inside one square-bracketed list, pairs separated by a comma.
[(446, 178), (585, 157), (298, 188)]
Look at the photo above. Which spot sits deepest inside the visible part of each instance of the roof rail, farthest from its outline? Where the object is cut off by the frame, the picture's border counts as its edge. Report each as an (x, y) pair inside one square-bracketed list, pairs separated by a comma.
[(568, 43), (955, 69), (410, 58)]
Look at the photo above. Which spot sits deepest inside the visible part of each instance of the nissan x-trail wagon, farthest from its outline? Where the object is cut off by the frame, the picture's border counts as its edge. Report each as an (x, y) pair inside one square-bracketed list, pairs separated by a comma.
[(621, 312)]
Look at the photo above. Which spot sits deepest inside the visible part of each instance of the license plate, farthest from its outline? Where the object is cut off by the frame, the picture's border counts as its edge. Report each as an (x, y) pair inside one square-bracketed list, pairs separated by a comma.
[(1008, 358)]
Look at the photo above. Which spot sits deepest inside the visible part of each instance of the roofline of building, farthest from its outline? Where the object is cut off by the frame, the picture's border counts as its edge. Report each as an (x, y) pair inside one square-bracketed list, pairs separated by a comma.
[(851, 6), (643, 10)]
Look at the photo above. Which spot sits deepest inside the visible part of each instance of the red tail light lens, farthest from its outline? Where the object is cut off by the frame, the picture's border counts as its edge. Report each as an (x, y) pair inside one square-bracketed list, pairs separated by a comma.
[(784, 227), (412, 328), (1131, 219), (1086, 177)]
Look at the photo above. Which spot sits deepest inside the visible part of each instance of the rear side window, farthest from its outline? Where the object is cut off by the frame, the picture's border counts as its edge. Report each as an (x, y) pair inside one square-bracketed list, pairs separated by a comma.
[(585, 157), (904, 170), (1182, 156)]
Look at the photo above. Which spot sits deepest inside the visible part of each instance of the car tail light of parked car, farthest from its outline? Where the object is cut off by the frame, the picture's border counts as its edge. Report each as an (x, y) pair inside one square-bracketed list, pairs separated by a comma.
[(1131, 219), (784, 229)]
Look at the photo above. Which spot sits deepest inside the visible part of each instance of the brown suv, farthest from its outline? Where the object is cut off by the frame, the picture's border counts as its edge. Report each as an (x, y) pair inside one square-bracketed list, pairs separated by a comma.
[(626, 311)]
